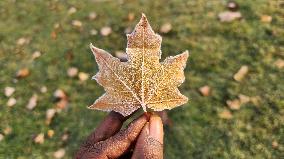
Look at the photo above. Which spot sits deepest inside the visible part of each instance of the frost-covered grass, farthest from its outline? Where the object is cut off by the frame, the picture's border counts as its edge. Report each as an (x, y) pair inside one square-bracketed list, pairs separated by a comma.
[(217, 51)]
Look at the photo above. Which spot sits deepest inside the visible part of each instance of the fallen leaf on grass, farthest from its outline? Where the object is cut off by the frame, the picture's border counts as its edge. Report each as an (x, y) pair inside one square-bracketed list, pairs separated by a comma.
[(36, 55), (72, 10), (7, 130), (53, 35), (49, 115), (8, 91), (229, 16), (142, 81), (1, 137), (23, 41), (232, 6), (279, 63), (92, 15), (43, 89), (83, 76), (275, 144), (62, 104), (22, 73), (65, 136), (242, 72), (32, 102), (106, 31), (266, 18), (77, 23), (72, 71), (234, 104), (205, 90), (11, 102), (165, 28), (59, 94), (130, 16), (226, 114), (59, 153), (93, 32), (50, 133), (243, 99), (39, 139)]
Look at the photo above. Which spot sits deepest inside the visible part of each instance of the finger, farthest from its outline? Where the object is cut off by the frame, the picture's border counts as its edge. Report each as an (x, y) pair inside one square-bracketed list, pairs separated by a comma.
[(150, 140), (118, 144), (108, 127)]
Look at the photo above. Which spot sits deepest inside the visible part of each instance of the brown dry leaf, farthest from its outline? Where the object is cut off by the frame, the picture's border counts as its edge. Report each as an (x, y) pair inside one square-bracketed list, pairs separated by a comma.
[(234, 104), (93, 32), (62, 103), (39, 139), (205, 90), (7, 130), (49, 115), (43, 89), (36, 55), (8, 91), (23, 41), (92, 15), (72, 71), (279, 63), (32, 102), (77, 23), (1, 137), (50, 133), (72, 10), (232, 6), (22, 73), (142, 80), (11, 102), (106, 31), (241, 73), (65, 136), (243, 99), (229, 16), (53, 35), (59, 94), (131, 16), (275, 144), (266, 18), (59, 153), (165, 28), (225, 114), (83, 76)]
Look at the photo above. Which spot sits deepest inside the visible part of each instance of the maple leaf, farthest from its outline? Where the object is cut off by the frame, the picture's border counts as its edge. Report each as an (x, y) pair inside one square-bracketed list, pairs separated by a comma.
[(142, 81)]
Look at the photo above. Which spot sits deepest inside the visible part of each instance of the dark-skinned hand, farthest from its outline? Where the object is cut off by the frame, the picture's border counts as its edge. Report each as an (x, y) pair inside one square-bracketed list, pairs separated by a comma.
[(142, 139)]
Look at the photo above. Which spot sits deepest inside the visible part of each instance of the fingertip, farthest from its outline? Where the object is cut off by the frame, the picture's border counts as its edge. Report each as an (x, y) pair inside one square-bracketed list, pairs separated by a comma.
[(156, 128)]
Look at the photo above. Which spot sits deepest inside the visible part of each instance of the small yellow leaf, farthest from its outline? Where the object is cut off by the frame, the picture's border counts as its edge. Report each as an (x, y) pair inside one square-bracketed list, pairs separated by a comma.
[(226, 114), (205, 90), (241, 73), (39, 139)]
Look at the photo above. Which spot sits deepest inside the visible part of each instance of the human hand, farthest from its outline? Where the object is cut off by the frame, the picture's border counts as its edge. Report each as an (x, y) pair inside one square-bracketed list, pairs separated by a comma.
[(144, 134)]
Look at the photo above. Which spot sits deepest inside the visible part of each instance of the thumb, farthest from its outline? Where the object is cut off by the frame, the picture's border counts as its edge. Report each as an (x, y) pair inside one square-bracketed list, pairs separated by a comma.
[(150, 140)]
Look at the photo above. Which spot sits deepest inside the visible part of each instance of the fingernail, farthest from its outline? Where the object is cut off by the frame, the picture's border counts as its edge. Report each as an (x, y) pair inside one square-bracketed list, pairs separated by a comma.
[(156, 128)]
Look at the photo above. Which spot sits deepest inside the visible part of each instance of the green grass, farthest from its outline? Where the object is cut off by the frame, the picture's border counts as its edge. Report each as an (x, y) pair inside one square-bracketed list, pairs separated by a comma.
[(217, 51)]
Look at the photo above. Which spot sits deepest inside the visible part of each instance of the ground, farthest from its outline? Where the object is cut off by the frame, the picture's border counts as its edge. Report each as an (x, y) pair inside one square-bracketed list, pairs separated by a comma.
[(205, 127)]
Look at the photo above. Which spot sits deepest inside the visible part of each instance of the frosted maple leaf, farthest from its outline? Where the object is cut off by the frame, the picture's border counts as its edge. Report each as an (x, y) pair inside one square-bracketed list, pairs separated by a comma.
[(142, 81)]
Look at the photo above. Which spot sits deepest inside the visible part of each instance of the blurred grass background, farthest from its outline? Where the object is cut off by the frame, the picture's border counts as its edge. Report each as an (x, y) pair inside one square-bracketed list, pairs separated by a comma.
[(217, 51)]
